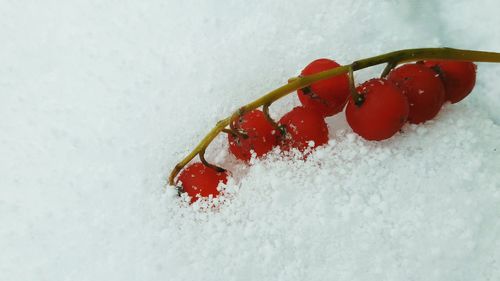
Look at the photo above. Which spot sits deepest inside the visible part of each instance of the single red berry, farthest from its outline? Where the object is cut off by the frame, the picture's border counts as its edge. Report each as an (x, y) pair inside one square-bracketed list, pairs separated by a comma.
[(328, 96), (425, 91), (383, 112), (262, 136), (458, 77), (304, 128), (198, 180)]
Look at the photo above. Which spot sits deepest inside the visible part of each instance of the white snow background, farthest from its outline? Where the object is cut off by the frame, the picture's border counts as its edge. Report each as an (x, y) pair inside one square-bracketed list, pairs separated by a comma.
[(100, 99)]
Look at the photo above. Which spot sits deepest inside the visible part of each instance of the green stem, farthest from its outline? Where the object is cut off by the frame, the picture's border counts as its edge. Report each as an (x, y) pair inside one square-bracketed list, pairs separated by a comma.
[(265, 109), (358, 98), (392, 58), (201, 154), (390, 66)]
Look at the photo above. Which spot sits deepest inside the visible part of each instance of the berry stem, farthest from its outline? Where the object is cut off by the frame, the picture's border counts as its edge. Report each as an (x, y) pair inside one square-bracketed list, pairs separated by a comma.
[(390, 66), (228, 131), (265, 109), (392, 58), (358, 98), (201, 154)]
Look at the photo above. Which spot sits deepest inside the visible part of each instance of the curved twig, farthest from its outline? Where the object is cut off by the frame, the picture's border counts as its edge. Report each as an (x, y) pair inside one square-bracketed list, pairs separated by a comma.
[(392, 59)]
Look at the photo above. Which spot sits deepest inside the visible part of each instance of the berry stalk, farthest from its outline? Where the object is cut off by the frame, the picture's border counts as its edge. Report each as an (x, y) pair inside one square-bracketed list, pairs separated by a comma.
[(392, 59)]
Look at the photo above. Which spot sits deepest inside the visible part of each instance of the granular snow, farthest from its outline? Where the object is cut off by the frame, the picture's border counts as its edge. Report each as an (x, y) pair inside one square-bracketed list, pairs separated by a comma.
[(100, 99)]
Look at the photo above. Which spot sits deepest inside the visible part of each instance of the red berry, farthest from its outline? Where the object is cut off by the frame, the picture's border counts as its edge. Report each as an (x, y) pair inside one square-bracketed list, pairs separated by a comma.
[(458, 77), (383, 112), (262, 136), (198, 180), (328, 96), (425, 91), (304, 128)]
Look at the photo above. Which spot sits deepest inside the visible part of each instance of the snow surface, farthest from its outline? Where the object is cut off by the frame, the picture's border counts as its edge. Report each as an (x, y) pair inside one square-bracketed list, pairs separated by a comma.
[(99, 99)]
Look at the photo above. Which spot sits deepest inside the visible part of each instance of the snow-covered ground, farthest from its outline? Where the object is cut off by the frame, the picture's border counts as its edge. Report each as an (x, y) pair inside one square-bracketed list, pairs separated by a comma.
[(99, 99)]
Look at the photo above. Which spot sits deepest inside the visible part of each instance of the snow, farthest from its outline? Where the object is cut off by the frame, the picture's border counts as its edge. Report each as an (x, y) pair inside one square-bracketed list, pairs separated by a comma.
[(100, 99)]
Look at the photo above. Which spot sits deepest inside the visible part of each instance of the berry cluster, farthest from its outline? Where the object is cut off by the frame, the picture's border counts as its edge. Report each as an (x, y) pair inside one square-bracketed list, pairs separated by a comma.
[(412, 92), (376, 110)]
